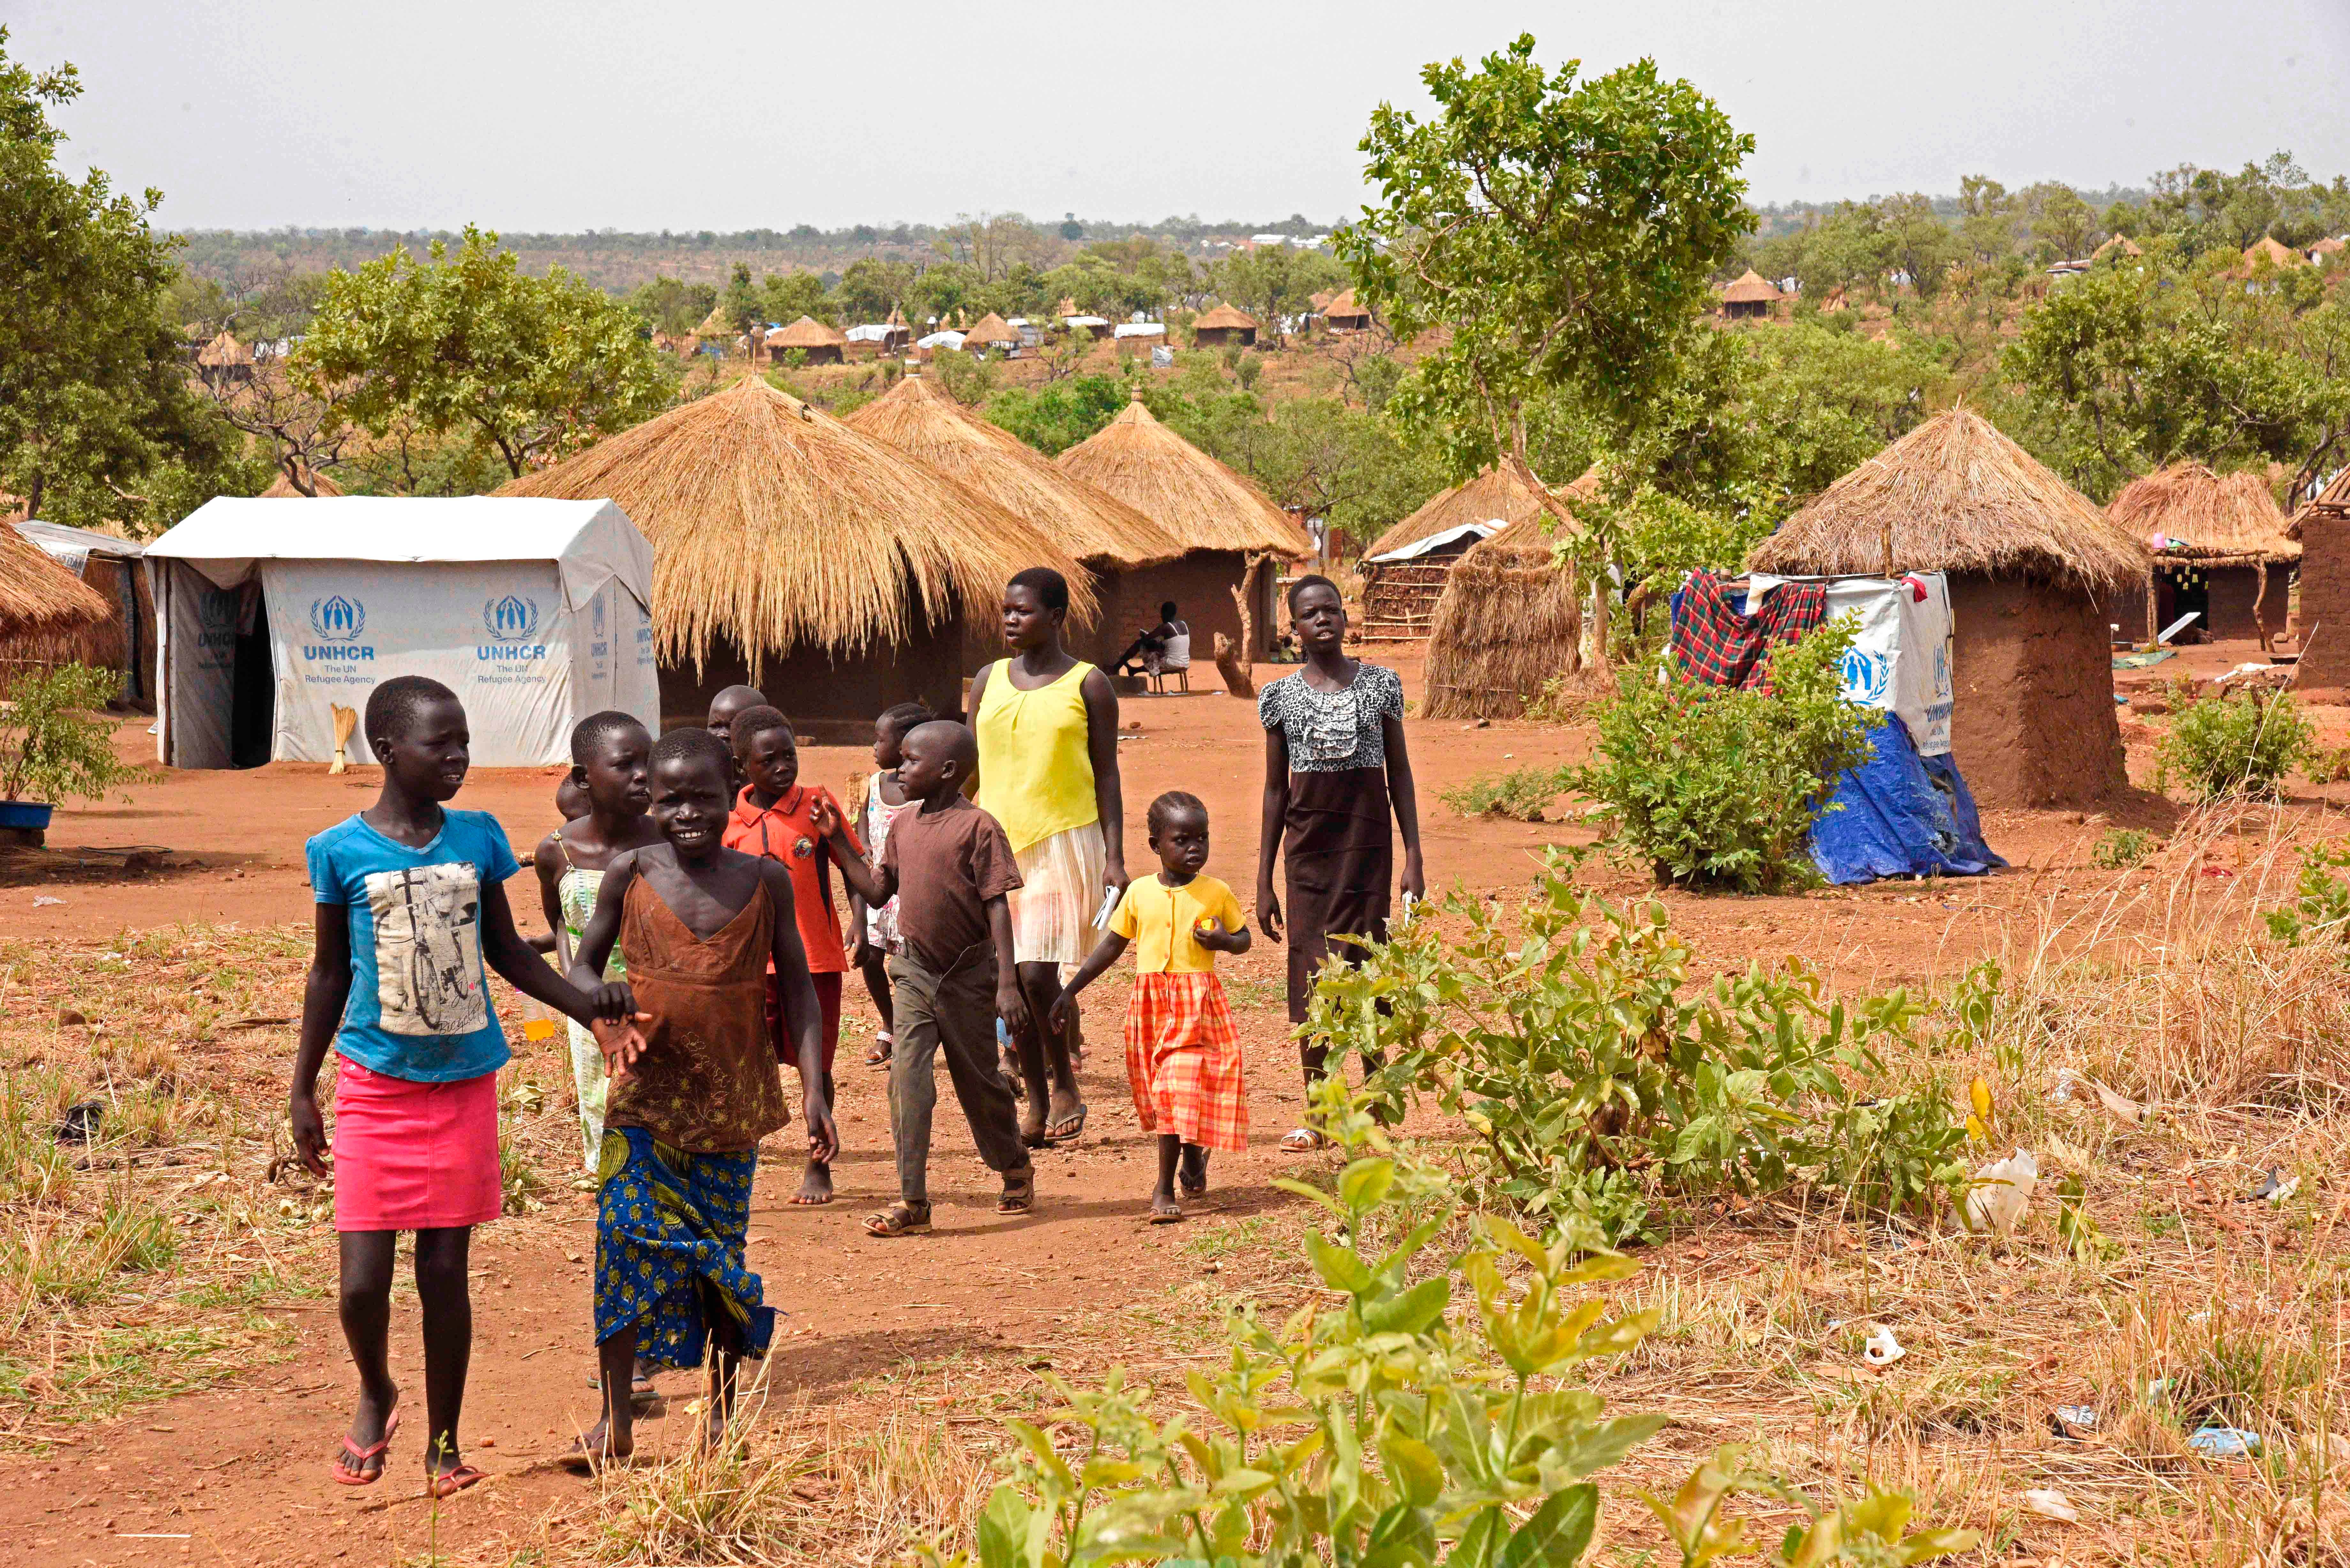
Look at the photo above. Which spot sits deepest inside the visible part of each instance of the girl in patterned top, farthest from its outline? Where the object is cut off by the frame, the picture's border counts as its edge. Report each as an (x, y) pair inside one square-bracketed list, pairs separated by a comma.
[(1335, 765)]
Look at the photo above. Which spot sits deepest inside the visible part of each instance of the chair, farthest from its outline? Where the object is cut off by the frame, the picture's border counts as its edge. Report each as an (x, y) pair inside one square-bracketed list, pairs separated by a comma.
[(1159, 676)]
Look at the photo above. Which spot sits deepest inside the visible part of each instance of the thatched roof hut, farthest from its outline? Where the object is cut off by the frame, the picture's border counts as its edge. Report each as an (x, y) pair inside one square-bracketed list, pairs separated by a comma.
[(224, 359), (1343, 314), (48, 615), (1495, 494), (2035, 567), (1749, 293), (2119, 245), (820, 344), (782, 537), (2219, 536), (1224, 324), (919, 418), (1509, 622), (1224, 524), (992, 331), (281, 487), (2266, 248)]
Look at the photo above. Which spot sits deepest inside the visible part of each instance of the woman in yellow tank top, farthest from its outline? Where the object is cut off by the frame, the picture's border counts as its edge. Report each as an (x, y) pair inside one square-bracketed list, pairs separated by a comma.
[(1047, 723)]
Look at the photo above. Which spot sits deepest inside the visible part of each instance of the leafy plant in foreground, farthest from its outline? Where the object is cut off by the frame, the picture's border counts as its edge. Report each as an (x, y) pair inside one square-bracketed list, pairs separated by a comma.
[(1571, 1042), (1519, 794), (1375, 1432), (2223, 747), (54, 746), (2320, 905), (2120, 848), (1716, 787)]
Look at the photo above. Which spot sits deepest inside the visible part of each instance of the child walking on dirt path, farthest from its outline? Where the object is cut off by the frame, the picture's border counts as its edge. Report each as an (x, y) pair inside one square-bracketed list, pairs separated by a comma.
[(692, 1098), (1334, 764), (409, 903), (1182, 1048), (949, 867), (773, 819), (874, 929)]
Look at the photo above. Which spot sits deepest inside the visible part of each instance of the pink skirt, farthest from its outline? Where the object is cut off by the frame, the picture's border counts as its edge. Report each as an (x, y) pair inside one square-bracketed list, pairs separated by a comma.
[(414, 1156)]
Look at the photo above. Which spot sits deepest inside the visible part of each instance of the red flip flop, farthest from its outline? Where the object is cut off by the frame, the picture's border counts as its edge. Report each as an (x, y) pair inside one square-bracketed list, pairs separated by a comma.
[(345, 1470), (449, 1483)]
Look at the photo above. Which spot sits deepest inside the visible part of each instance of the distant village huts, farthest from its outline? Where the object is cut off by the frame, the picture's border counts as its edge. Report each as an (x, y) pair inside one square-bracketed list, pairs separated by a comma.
[(2321, 529), (1224, 326), (816, 343), (1748, 295), (824, 567), (2035, 568), (1232, 536), (224, 363), (2219, 549), (1120, 547), (48, 615), (1509, 623), (1343, 314), (992, 331)]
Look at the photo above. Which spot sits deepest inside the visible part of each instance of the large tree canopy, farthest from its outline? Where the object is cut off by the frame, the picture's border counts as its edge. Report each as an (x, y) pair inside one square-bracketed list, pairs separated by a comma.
[(468, 344), (97, 420)]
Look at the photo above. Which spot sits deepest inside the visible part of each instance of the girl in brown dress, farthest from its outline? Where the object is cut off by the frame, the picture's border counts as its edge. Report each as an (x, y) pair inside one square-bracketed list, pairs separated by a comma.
[(1335, 767)]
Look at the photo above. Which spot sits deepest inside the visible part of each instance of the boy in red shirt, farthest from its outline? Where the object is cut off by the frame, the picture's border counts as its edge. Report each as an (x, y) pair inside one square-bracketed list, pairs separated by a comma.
[(775, 817)]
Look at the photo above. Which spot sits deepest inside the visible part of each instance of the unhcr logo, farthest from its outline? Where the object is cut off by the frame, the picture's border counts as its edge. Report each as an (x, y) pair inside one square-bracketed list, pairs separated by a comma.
[(512, 622), (336, 621)]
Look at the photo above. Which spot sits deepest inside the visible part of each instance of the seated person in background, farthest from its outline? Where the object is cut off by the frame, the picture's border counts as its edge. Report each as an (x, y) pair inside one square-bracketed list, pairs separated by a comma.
[(1167, 646)]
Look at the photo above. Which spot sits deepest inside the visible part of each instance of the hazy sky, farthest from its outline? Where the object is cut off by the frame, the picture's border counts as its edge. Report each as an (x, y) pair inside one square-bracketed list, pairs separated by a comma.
[(574, 114)]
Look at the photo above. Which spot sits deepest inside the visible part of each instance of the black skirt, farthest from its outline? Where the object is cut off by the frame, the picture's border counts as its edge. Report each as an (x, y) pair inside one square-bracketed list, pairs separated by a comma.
[(1338, 841)]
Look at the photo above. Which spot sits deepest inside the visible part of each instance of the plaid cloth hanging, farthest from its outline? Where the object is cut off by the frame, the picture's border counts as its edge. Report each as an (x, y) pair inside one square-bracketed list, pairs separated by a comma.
[(1716, 646)]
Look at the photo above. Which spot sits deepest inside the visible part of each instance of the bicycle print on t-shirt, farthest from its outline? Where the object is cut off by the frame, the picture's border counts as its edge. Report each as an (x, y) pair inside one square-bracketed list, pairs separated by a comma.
[(428, 948)]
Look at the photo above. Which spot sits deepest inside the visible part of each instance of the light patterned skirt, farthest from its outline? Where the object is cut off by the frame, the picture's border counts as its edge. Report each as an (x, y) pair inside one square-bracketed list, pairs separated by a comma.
[(1060, 891), (1183, 1060)]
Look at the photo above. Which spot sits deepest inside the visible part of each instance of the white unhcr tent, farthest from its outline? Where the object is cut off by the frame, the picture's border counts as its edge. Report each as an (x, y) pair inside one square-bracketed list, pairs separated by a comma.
[(270, 613)]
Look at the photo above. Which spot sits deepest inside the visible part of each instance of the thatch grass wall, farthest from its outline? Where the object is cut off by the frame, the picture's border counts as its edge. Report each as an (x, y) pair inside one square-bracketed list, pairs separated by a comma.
[(1509, 622)]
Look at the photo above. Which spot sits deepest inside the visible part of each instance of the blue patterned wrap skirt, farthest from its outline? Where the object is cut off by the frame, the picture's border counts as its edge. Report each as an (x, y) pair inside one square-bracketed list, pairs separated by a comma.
[(667, 1223)]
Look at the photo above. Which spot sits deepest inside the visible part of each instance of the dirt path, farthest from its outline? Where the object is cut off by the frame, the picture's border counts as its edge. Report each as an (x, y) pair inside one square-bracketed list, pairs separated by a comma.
[(239, 1474)]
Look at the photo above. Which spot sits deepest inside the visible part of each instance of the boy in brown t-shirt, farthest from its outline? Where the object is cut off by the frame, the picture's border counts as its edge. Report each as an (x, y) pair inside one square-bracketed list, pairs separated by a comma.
[(948, 866)]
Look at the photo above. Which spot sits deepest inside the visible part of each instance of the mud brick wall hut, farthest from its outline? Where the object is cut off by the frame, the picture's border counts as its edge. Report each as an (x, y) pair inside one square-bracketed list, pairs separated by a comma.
[(2034, 569), (1125, 554), (1750, 295), (1224, 326), (2321, 529), (816, 343), (790, 552), (1232, 538), (2222, 550)]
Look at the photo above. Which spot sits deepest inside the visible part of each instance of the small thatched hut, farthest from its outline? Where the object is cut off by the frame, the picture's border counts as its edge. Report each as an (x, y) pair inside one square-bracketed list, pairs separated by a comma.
[(225, 361), (2267, 249), (2216, 543), (1109, 538), (1343, 314), (2321, 529), (817, 344), (2120, 246), (1749, 294), (48, 615), (1227, 530), (2034, 566), (1399, 598), (1224, 326), (991, 331), (794, 553), (1510, 622)]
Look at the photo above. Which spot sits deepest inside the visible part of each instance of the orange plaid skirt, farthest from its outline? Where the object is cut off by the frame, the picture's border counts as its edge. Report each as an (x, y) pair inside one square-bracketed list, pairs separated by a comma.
[(1183, 1060)]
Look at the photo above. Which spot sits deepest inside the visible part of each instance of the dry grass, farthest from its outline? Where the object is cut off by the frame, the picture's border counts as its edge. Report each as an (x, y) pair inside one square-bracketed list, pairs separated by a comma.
[(1510, 622), (1956, 496), (775, 525), (1496, 493), (918, 418), (1203, 503), (2231, 521)]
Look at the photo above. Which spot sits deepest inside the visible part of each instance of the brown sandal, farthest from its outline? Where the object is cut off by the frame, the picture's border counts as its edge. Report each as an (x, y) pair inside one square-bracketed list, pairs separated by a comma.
[(1019, 1193), (900, 1219)]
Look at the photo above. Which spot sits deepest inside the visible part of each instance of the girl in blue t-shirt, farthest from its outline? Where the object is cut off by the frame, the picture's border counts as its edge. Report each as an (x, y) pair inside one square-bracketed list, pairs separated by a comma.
[(410, 904)]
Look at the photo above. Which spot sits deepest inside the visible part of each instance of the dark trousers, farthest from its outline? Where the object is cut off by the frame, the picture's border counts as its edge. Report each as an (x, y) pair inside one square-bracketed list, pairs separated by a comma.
[(954, 1011)]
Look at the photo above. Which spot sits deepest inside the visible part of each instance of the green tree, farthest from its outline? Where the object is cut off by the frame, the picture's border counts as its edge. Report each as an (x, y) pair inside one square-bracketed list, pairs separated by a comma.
[(665, 305), (528, 368), (793, 294), (98, 420), (871, 289), (740, 305), (1563, 230), (1056, 418)]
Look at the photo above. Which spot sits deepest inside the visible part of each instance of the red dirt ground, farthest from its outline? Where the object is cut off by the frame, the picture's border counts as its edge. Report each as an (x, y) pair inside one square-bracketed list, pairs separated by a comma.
[(240, 1470)]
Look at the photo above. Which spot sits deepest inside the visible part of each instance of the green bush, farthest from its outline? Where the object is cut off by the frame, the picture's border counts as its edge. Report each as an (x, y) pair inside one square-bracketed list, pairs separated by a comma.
[(1596, 1080), (1519, 794), (1715, 788), (2224, 747), (2121, 848), (1377, 1432), (55, 743), (2321, 903)]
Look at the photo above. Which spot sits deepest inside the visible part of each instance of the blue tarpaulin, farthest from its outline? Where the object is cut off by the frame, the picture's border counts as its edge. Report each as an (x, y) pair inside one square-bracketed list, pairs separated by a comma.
[(1903, 816)]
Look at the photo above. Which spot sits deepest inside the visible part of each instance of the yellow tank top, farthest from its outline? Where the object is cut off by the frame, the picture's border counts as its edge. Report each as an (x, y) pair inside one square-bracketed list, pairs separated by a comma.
[(1035, 773)]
